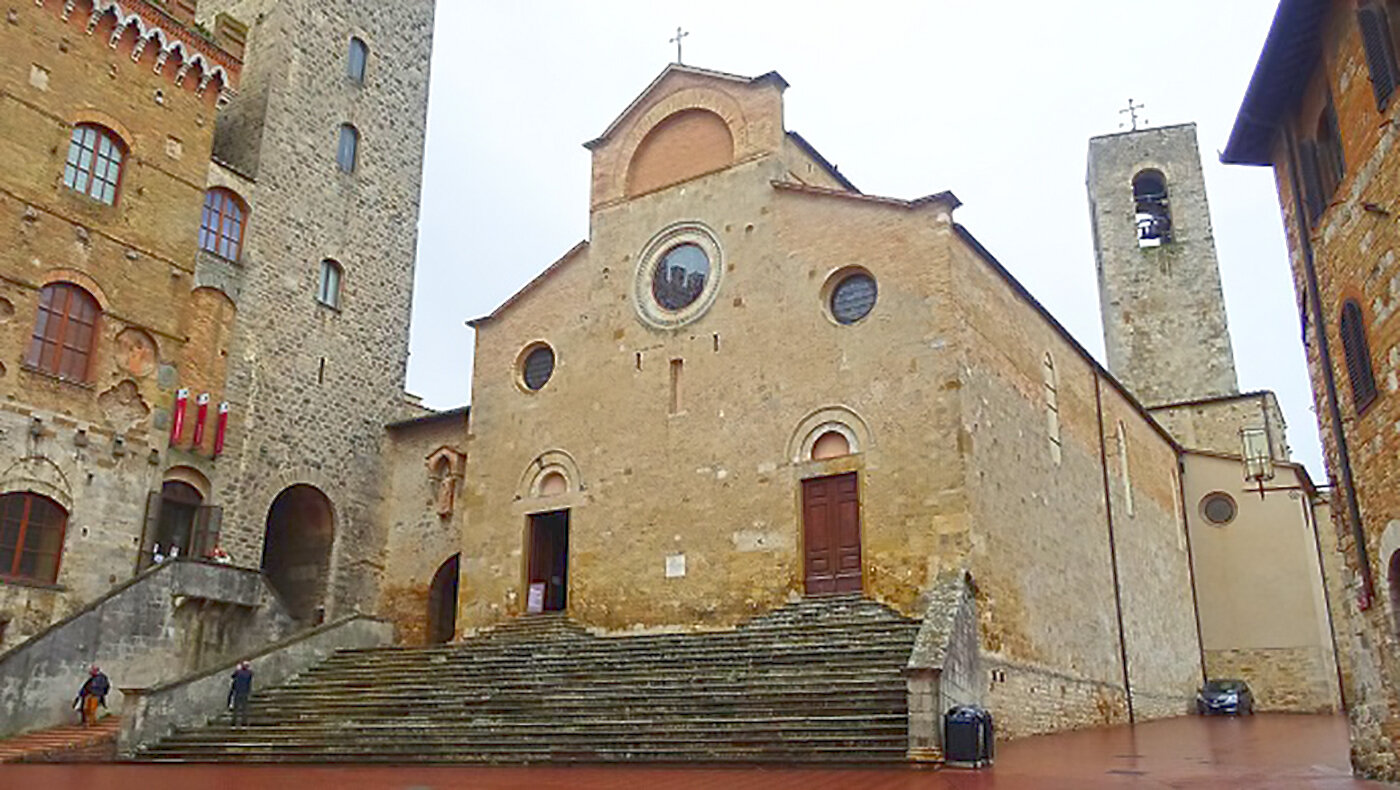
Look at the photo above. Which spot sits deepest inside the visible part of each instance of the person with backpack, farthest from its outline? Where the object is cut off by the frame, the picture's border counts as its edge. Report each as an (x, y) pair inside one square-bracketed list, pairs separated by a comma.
[(92, 694)]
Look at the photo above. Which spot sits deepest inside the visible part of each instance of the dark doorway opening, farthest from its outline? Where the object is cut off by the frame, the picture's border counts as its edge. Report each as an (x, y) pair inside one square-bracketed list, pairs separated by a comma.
[(175, 532), (831, 534), (297, 549), (442, 602), (547, 590)]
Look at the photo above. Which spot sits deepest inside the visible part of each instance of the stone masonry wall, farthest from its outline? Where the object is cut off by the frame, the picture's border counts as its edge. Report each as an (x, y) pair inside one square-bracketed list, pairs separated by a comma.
[(1215, 425), (311, 386), (1355, 257), (1164, 321), (1299, 679), (95, 446)]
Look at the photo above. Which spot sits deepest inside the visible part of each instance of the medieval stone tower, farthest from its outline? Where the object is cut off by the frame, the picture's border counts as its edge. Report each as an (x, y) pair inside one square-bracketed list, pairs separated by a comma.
[(1159, 283), (326, 139)]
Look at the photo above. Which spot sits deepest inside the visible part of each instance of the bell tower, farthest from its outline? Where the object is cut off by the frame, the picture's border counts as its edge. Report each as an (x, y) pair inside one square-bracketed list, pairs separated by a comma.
[(1163, 311)]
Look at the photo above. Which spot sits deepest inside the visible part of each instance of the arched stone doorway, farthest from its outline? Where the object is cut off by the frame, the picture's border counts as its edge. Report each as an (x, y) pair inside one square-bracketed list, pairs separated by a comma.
[(297, 549), (442, 602)]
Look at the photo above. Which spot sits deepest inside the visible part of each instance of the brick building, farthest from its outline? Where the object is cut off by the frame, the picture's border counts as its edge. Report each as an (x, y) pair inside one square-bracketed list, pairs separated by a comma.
[(1321, 110)]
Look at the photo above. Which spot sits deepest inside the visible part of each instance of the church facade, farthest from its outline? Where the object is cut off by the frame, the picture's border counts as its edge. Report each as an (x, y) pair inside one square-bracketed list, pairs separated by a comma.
[(753, 382)]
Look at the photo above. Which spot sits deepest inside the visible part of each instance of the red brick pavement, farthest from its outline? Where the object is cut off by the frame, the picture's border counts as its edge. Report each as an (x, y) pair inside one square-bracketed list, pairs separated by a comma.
[(1265, 751), (70, 742)]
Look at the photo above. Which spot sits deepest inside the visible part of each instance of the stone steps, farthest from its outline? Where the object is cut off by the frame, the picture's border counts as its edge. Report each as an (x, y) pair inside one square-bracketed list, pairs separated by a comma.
[(72, 743), (815, 681)]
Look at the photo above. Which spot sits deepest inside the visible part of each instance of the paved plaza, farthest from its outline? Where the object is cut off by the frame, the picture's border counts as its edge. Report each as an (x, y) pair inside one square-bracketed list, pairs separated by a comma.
[(1265, 751)]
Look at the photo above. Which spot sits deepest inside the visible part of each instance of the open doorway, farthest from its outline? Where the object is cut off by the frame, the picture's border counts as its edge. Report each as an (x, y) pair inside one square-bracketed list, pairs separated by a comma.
[(547, 588), (297, 550), (442, 602)]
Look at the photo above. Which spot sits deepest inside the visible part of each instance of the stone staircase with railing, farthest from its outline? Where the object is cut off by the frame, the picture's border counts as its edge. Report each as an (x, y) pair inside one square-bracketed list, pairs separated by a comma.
[(814, 681)]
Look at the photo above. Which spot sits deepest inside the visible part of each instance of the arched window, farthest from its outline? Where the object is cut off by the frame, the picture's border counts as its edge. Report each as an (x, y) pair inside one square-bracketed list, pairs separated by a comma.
[(1358, 356), (64, 332), (348, 149), (328, 292), (221, 230), (94, 167), (1378, 40), (1151, 212), (359, 56), (31, 537), (1052, 407), (1393, 579)]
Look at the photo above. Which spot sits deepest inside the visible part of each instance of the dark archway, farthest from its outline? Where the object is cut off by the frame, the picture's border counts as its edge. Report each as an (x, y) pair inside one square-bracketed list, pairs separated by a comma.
[(1393, 577), (297, 549), (175, 531), (442, 602)]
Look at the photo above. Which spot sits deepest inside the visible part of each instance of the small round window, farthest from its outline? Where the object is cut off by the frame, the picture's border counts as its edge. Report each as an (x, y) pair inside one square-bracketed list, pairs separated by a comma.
[(680, 276), (1218, 508), (853, 298), (537, 367)]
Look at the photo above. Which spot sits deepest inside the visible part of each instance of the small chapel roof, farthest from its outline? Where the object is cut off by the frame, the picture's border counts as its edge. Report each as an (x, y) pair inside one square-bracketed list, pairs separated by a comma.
[(680, 68)]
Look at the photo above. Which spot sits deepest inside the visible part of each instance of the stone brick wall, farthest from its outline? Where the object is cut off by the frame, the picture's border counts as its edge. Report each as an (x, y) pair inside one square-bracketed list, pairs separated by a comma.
[(1163, 312), (1354, 250), (311, 386), (1215, 424), (96, 446), (420, 537), (1292, 679)]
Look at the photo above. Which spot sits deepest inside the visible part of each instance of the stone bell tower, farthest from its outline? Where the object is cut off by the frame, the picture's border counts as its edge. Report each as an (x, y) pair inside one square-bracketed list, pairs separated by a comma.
[(1163, 312)]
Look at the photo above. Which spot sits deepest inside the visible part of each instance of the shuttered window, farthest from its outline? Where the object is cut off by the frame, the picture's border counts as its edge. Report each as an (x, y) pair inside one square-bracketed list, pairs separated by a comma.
[(1380, 52), (1312, 180), (1358, 357)]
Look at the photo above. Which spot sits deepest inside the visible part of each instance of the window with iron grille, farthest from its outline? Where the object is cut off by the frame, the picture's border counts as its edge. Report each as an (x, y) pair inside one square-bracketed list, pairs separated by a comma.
[(31, 537), (1358, 356), (221, 229), (65, 330), (94, 165)]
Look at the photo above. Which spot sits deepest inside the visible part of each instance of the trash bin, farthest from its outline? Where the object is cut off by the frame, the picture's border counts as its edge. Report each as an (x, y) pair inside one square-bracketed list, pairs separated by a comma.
[(967, 736)]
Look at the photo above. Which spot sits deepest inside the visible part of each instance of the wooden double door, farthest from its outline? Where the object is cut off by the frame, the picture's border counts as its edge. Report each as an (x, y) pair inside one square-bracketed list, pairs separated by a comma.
[(831, 534)]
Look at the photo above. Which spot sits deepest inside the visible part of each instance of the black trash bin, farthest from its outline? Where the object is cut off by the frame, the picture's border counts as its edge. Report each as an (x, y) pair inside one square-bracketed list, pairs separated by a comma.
[(967, 736)]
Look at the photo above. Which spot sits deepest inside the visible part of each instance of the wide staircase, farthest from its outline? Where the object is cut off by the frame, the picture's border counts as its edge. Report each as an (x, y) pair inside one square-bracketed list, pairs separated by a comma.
[(815, 681), (72, 743)]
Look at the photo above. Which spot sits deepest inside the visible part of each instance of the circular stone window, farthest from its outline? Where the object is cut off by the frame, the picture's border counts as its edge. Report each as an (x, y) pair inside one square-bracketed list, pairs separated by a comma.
[(677, 276), (680, 276), (852, 297), (537, 366), (1218, 508)]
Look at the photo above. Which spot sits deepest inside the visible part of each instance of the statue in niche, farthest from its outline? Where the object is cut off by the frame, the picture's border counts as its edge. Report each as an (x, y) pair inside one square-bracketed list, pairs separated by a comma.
[(445, 472)]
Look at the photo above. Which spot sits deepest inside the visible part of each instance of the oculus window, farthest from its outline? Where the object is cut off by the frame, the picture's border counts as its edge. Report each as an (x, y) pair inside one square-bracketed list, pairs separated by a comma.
[(853, 298), (1219, 508), (680, 276), (537, 367)]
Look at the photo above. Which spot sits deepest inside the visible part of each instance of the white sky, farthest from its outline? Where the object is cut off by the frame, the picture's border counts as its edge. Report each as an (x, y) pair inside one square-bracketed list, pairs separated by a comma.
[(993, 100)]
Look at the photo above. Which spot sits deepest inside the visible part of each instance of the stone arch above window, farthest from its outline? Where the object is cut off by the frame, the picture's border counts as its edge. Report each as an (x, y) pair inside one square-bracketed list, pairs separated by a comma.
[(683, 145), (40, 476), (840, 420), (539, 478)]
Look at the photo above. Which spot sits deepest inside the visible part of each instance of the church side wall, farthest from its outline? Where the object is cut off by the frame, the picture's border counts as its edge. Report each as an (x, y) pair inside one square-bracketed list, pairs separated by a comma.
[(1215, 425), (1040, 538), (716, 482)]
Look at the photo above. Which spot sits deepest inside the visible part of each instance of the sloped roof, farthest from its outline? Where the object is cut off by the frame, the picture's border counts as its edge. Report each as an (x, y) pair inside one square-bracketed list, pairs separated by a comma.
[(680, 68), (1291, 53), (530, 286)]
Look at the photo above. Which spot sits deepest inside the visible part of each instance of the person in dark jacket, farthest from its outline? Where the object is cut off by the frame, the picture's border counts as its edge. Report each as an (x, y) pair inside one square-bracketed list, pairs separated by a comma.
[(92, 694), (239, 692)]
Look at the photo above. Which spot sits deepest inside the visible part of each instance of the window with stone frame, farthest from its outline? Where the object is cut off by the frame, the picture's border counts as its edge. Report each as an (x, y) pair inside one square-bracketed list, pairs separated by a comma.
[(348, 149), (31, 537), (1357, 351), (94, 163), (1151, 209), (1379, 23), (1124, 471), (328, 291), (357, 60), (221, 228), (1052, 408), (65, 330)]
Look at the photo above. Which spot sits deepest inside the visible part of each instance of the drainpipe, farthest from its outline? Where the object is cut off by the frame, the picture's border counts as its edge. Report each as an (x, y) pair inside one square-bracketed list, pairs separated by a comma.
[(1113, 551), (1191, 562), (1334, 413)]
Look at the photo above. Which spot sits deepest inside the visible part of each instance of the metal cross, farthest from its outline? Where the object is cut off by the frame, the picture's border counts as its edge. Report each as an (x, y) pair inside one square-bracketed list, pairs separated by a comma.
[(680, 34), (1131, 112)]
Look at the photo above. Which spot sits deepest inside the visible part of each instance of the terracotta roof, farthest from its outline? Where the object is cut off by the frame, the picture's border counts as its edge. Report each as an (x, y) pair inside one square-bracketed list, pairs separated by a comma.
[(938, 197), (460, 411), (821, 160)]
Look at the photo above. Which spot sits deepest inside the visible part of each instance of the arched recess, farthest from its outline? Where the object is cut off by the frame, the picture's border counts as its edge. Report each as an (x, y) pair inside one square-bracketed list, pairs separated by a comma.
[(683, 145), (442, 601), (840, 420), (541, 477), (297, 545)]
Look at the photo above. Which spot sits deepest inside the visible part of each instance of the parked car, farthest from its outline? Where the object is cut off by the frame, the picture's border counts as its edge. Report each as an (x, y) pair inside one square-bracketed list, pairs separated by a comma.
[(1230, 697)]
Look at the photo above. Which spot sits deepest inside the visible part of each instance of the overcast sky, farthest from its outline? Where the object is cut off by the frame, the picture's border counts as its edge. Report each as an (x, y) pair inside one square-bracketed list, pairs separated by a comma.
[(994, 101)]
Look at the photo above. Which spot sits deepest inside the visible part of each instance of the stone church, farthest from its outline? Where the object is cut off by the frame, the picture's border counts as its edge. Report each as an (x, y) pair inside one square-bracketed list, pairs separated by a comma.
[(751, 384)]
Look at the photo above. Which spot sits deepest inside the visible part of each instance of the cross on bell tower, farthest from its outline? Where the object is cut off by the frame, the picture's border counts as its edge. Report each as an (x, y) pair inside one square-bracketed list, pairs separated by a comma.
[(680, 34), (1131, 112)]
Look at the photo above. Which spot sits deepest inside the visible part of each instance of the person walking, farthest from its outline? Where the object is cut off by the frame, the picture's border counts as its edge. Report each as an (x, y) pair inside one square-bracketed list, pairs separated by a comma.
[(238, 693), (92, 694)]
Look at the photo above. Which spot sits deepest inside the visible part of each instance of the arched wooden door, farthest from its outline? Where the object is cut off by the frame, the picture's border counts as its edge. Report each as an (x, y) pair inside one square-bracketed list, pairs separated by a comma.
[(442, 602)]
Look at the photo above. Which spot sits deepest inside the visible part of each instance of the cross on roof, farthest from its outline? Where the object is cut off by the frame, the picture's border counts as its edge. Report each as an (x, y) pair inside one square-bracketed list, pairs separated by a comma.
[(680, 34), (1131, 112)]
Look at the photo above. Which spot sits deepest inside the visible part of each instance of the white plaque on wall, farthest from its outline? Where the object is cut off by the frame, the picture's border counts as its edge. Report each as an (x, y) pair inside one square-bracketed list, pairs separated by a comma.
[(675, 566), (534, 602)]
